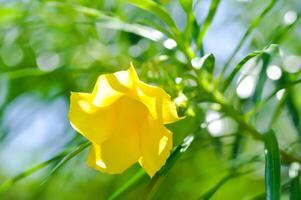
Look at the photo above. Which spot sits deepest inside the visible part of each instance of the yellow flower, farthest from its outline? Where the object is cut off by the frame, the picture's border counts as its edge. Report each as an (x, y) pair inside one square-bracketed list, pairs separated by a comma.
[(124, 119)]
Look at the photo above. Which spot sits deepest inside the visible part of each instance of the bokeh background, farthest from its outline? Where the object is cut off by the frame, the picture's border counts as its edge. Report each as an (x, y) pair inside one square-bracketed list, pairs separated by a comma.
[(49, 48)]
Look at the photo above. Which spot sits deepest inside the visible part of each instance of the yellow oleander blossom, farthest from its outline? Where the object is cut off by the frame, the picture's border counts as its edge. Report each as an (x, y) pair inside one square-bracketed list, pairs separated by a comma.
[(124, 120)]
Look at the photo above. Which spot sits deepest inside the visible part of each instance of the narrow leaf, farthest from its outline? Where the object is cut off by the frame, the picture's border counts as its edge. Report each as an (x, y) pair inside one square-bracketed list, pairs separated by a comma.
[(187, 6), (19, 73), (207, 195), (63, 157), (129, 183), (260, 104), (82, 9), (157, 10), (253, 25), (262, 77), (69, 156), (8, 183), (160, 175), (143, 31), (295, 187), (272, 166), (213, 190), (114, 22), (268, 50), (212, 11), (293, 110), (281, 32), (209, 63)]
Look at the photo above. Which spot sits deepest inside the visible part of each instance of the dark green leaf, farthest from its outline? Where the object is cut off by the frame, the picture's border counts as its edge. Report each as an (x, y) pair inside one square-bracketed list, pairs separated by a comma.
[(209, 63), (295, 187), (262, 77), (272, 166)]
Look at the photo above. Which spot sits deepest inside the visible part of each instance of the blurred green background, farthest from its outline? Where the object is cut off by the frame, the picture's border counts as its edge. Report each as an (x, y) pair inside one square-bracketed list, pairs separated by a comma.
[(49, 48)]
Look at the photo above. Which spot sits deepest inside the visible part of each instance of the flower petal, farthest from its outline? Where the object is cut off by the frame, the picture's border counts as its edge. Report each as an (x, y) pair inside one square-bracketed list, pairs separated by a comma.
[(155, 145), (158, 102), (104, 94), (124, 119), (92, 122), (121, 149), (110, 87), (127, 78)]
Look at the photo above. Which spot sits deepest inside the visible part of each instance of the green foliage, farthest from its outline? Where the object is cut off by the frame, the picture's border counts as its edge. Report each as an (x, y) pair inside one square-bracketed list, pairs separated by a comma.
[(227, 146), (272, 166), (205, 26)]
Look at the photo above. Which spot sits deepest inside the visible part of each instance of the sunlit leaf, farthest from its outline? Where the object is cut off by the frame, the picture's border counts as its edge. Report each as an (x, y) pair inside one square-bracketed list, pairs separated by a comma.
[(252, 26), (205, 26), (69, 156), (9, 183), (157, 10), (268, 50)]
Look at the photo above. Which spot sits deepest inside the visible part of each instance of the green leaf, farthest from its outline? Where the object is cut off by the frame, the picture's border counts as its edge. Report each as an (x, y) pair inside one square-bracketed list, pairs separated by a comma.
[(162, 13), (34, 71), (69, 156), (262, 77), (237, 146), (295, 187), (10, 182), (281, 32), (292, 106), (62, 157), (19, 73), (253, 25), (114, 22), (82, 9), (143, 31), (279, 109), (208, 63), (129, 183), (212, 11), (262, 196), (260, 104), (207, 195), (186, 4), (272, 166), (157, 10), (235, 165), (174, 156), (268, 50)]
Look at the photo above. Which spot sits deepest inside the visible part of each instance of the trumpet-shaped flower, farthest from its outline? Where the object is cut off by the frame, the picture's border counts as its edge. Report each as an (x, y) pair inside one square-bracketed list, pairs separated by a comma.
[(124, 120)]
